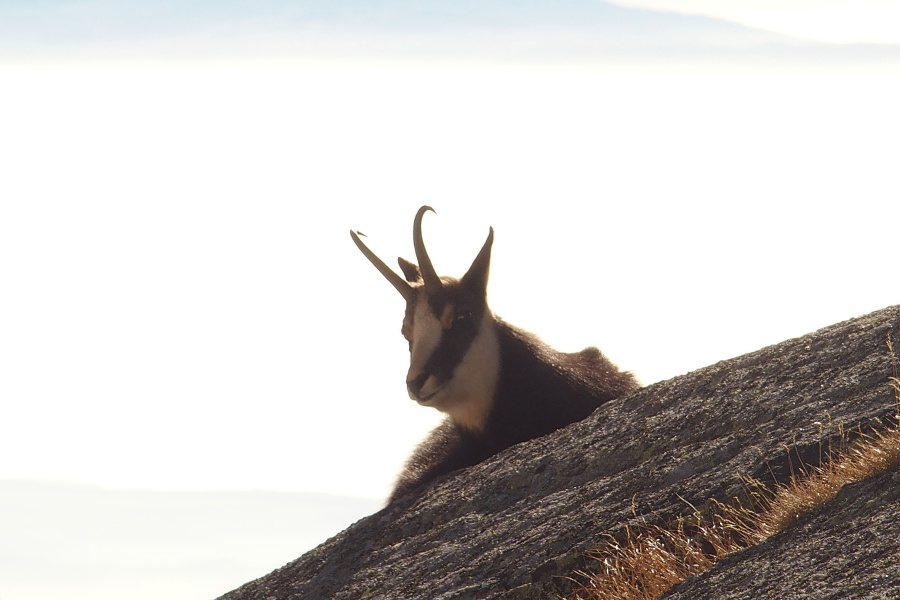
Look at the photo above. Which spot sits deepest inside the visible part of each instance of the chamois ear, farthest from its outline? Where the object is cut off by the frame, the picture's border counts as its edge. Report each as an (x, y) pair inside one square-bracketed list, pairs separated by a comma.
[(410, 270), (477, 275)]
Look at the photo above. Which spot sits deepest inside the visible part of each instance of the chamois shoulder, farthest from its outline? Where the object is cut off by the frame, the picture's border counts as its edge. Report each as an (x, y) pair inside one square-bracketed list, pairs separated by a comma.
[(588, 370)]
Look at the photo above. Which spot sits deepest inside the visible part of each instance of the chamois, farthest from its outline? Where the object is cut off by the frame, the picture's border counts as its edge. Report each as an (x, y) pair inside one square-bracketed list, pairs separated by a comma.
[(498, 384)]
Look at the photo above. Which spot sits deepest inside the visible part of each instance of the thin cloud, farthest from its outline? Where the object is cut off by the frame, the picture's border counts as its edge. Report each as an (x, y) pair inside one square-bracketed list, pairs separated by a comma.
[(535, 30)]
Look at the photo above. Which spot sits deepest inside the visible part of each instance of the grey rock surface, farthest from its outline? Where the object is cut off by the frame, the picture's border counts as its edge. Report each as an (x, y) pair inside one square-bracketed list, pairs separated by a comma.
[(517, 525)]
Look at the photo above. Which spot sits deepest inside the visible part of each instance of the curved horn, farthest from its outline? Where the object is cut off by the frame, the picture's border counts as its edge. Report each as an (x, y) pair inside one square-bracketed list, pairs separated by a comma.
[(429, 275), (407, 291)]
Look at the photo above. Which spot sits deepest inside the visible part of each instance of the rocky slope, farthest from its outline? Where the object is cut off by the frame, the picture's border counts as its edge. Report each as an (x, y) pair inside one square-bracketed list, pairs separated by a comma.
[(518, 525)]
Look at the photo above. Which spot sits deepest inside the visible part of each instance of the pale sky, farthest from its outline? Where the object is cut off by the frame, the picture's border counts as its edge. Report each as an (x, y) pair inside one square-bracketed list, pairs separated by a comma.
[(183, 307)]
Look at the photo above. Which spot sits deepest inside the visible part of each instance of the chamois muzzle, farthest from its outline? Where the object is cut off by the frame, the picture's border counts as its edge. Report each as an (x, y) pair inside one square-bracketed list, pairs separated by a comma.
[(416, 384)]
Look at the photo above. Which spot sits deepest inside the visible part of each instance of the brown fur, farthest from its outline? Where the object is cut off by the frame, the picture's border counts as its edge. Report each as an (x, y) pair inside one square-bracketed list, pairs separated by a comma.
[(498, 385), (539, 391)]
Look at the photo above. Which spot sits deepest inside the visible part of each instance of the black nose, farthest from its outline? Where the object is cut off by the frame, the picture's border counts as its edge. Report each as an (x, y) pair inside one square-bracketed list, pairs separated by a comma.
[(415, 385)]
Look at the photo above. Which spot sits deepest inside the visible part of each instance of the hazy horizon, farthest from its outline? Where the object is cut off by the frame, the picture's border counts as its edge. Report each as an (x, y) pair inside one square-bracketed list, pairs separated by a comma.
[(83, 542)]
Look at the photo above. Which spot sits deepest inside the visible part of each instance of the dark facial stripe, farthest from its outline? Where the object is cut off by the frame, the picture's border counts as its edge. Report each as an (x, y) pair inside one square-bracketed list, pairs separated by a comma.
[(460, 314)]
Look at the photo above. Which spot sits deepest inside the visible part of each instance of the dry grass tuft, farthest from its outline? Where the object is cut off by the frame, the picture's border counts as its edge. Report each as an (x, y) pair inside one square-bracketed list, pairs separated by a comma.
[(649, 559), (780, 507)]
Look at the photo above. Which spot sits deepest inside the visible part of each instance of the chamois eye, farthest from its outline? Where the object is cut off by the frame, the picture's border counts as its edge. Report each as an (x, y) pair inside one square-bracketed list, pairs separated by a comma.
[(463, 318)]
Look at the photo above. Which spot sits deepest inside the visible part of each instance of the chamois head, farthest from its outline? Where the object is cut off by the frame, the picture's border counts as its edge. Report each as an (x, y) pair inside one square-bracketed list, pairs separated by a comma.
[(454, 352)]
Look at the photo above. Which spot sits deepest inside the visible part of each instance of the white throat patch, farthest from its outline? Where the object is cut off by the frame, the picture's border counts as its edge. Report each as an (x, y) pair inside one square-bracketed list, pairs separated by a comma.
[(475, 379)]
